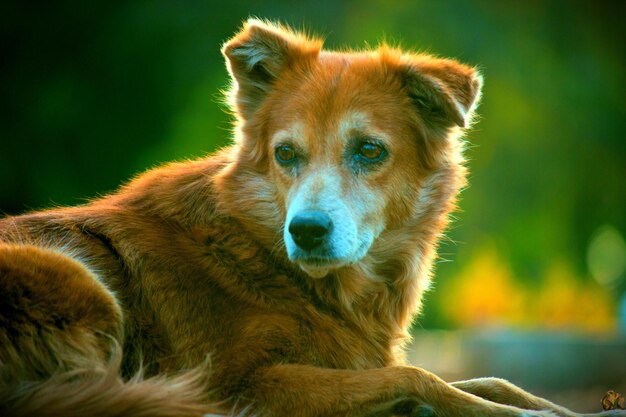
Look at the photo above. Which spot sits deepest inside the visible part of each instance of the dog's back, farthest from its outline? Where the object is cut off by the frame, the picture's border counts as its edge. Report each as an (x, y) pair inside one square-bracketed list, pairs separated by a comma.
[(70, 306)]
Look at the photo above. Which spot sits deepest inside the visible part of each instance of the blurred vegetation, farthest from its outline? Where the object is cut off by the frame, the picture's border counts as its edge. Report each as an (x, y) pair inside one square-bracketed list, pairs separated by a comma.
[(95, 92)]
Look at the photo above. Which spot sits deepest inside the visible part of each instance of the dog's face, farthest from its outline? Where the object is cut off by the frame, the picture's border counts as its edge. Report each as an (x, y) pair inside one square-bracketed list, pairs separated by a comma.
[(348, 138), (342, 159)]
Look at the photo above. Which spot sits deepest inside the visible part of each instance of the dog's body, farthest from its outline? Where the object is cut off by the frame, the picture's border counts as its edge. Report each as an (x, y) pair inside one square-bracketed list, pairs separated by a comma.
[(283, 271)]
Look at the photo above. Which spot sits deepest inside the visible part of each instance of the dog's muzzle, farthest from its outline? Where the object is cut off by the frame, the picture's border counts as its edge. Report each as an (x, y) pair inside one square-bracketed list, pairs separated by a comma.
[(309, 229)]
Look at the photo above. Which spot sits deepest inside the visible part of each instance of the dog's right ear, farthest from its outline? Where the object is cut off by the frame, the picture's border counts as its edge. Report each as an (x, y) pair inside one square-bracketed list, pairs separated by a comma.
[(257, 55)]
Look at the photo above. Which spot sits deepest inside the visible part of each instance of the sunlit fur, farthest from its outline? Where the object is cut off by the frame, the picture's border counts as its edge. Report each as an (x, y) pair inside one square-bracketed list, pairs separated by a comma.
[(190, 270), (319, 100)]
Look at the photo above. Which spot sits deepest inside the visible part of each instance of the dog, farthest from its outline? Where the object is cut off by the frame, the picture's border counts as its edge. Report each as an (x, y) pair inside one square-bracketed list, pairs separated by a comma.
[(277, 277)]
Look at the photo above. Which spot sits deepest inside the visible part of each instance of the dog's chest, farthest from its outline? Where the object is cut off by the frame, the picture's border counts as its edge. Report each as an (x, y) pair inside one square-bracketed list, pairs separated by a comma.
[(259, 311), (315, 338), (346, 345)]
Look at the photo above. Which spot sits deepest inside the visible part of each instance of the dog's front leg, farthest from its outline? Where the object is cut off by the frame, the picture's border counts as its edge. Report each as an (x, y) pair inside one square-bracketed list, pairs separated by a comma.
[(307, 391), (503, 392)]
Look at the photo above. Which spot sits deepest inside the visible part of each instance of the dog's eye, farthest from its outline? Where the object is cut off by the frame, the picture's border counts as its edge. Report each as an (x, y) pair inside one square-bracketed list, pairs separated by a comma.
[(370, 152), (285, 154)]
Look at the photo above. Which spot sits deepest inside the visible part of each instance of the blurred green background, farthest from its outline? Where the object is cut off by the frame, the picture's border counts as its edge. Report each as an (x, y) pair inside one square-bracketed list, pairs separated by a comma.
[(96, 92)]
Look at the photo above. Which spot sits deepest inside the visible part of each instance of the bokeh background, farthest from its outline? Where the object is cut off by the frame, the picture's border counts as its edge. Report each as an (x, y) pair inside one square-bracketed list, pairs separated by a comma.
[(531, 281)]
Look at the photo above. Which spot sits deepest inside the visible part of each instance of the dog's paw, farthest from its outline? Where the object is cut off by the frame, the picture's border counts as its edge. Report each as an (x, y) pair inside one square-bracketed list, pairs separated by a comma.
[(401, 407)]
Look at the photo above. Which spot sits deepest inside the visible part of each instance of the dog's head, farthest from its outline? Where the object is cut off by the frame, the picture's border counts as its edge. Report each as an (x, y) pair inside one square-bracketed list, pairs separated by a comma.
[(349, 140)]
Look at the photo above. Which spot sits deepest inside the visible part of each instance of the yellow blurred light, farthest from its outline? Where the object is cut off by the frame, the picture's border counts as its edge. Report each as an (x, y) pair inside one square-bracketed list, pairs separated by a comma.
[(486, 293), (566, 302)]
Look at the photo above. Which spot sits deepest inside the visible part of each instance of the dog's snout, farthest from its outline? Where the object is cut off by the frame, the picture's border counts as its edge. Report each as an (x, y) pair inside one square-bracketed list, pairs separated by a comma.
[(309, 229)]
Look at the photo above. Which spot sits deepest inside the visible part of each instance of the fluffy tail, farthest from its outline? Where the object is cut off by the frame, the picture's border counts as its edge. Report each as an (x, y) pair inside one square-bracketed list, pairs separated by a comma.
[(103, 393), (59, 349)]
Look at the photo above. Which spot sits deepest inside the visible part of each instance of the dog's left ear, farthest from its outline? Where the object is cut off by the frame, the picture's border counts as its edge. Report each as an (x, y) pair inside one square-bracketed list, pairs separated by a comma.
[(445, 92), (256, 57)]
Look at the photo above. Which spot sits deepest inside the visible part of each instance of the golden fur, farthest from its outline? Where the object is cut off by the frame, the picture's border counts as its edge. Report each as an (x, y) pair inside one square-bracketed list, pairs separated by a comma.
[(189, 272)]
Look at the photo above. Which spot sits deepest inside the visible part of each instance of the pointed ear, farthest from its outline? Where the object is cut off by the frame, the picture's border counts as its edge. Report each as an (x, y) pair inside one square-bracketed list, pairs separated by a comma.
[(256, 57), (445, 92)]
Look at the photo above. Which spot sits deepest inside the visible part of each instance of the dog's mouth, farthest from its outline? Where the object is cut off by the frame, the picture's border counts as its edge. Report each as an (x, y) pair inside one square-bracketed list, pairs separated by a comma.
[(317, 267), (319, 243)]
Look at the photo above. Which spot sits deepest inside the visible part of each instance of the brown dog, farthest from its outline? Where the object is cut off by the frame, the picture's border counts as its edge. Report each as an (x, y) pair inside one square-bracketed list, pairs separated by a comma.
[(277, 277)]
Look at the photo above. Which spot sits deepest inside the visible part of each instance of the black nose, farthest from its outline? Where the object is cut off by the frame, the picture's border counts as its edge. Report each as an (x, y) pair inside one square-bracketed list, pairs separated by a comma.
[(309, 229)]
